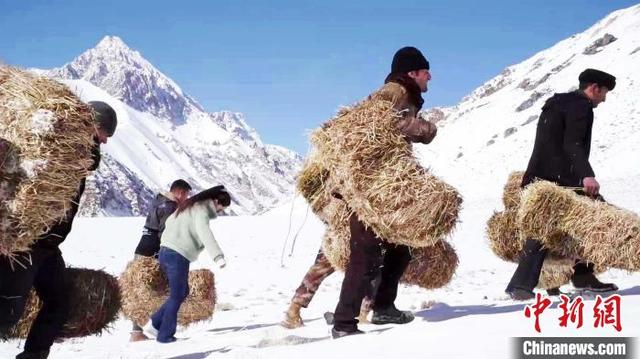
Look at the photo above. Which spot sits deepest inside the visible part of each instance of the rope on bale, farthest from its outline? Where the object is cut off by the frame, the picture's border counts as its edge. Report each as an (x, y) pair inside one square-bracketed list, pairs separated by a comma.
[(145, 288), (94, 303), (46, 137)]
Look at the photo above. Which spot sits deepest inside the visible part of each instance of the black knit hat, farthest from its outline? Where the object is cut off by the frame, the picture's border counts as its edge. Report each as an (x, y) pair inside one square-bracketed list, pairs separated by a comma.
[(408, 59), (593, 76), (105, 116)]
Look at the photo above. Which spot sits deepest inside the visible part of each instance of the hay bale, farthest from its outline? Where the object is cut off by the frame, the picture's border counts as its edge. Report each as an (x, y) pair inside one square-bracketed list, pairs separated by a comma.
[(504, 236), (512, 191), (311, 184), (47, 137), (145, 288), (94, 303), (380, 178), (431, 267), (599, 232)]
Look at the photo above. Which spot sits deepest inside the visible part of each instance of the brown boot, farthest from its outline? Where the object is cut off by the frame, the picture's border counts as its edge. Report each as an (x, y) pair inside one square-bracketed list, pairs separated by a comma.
[(292, 318), (137, 337)]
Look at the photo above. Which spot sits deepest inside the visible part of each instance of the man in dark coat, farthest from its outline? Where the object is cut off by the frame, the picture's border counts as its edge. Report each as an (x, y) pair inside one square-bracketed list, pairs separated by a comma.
[(43, 267), (561, 155), (371, 256), (161, 208)]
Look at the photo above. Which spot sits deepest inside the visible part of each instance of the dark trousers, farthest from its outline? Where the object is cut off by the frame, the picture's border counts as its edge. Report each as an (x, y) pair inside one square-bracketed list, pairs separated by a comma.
[(369, 257), (44, 270), (176, 267), (531, 260)]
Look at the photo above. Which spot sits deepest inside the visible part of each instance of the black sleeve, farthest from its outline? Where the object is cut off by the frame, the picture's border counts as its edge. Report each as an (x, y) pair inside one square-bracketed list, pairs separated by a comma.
[(578, 123), (163, 212)]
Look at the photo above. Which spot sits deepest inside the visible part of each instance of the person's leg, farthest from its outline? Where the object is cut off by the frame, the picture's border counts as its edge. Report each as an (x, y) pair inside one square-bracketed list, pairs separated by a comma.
[(176, 268), (396, 260), (364, 263), (52, 288), (526, 276), (320, 270), (16, 280)]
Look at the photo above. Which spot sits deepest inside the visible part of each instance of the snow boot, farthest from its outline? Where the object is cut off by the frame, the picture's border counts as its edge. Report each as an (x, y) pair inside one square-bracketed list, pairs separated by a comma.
[(589, 282), (391, 315), (292, 318)]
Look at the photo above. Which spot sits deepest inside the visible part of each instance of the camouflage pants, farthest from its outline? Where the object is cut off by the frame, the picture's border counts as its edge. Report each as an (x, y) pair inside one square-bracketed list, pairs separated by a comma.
[(320, 270)]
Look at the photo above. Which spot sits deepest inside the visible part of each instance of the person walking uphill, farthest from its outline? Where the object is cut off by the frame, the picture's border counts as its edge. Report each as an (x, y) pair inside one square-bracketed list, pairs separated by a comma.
[(161, 208), (561, 155), (43, 267), (186, 234), (403, 87)]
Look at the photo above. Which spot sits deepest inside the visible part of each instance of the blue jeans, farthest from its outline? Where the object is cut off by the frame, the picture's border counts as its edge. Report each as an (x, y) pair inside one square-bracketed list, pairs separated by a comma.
[(176, 267)]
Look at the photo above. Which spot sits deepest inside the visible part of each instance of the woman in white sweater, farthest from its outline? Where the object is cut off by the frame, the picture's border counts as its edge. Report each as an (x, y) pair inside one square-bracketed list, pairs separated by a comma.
[(186, 234)]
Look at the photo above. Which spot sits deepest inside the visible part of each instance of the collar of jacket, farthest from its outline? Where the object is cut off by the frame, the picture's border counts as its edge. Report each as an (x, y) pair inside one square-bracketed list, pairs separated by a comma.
[(413, 90), (584, 95)]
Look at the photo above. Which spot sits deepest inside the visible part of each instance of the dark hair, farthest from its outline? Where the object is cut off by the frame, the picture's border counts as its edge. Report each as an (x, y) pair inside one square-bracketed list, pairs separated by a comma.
[(214, 193), (180, 184), (105, 115)]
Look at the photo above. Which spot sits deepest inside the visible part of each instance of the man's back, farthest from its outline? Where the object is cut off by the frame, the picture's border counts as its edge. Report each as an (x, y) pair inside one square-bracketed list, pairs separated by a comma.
[(563, 141)]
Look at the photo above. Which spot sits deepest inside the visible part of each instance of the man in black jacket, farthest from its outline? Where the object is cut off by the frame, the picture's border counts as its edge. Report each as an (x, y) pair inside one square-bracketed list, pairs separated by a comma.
[(561, 155), (43, 267), (162, 207)]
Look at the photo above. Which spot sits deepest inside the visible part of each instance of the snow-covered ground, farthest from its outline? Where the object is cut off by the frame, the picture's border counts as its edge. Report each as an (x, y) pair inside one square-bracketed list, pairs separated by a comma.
[(469, 318)]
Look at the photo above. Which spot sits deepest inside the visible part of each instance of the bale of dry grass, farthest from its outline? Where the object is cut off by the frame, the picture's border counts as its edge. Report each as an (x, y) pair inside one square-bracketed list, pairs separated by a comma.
[(145, 288), (431, 267), (381, 180), (512, 191), (94, 303), (598, 232), (46, 137), (311, 183)]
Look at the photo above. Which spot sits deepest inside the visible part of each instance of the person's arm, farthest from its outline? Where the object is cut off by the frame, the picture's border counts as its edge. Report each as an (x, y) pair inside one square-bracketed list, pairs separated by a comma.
[(203, 231), (578, 122), (416, 129), (163, 212)]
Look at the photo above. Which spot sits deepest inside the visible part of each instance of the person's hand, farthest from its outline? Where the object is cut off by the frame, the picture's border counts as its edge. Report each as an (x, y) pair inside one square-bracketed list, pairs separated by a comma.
[(591, 186), (221, 262)]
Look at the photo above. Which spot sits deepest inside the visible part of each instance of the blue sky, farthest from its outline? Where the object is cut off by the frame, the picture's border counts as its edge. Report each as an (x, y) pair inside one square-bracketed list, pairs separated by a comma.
[(288, 65)]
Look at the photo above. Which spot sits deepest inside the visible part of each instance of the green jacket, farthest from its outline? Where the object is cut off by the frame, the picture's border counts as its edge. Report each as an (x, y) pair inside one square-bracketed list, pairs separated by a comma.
[(188, 233)]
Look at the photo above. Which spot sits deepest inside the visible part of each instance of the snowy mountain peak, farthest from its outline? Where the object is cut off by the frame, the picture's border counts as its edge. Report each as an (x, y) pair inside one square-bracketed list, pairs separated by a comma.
[(126, 75), (165, 135)]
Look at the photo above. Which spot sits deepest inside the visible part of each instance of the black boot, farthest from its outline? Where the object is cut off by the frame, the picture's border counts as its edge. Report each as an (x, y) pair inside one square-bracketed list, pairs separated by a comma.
[(518, 293), (584, 279), (391, 315), (554, 292), (340, 333), (589, 282), (43, 354)]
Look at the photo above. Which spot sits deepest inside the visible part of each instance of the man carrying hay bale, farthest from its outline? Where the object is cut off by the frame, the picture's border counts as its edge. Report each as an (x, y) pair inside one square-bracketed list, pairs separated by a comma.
[(403, 87), (43, 267), (162, 207), (186, 234), (561, 155)]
